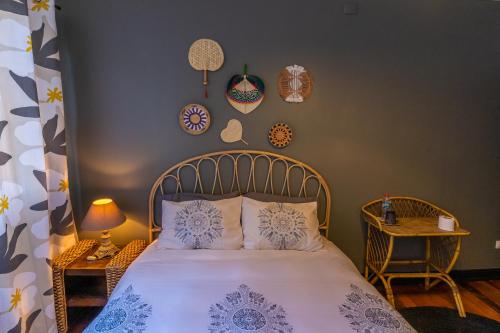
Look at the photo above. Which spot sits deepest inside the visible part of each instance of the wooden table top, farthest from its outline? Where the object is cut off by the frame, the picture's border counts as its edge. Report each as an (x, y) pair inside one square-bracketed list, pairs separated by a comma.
[(82, 266), (419, 227)]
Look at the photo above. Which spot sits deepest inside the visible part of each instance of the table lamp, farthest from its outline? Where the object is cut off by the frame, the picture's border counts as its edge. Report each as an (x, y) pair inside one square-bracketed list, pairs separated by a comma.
[(103, 215)]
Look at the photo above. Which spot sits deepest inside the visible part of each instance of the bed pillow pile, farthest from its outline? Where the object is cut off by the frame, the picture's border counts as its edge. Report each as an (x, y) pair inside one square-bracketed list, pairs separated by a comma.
[(268, 222), (280, 225), (201, 224)]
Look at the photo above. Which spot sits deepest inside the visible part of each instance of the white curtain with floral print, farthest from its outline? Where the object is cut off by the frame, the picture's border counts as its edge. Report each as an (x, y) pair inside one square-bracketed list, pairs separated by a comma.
[(36, 221)]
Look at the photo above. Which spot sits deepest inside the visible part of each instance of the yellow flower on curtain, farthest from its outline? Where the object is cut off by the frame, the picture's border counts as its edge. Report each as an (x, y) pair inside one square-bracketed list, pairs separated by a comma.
[(63, 185), (39, 5), (15, 299), (21, 299), (29, 48), (4, 204), (54, 94)]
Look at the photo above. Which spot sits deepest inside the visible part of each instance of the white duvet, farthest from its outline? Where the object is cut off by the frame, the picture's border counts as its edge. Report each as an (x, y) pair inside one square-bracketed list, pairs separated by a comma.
[(246, 291)]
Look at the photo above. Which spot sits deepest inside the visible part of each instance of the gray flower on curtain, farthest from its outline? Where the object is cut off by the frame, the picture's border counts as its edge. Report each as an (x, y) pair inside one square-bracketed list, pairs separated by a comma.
[(9, 262), (54, 143), (28, 86), (60, 222), (4, 157), (42, 53), (29, 322), (42, 179), (14, 6)]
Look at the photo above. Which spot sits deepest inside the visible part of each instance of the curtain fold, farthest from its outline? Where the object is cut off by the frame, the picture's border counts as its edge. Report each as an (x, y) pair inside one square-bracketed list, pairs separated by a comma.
[(36, 221)]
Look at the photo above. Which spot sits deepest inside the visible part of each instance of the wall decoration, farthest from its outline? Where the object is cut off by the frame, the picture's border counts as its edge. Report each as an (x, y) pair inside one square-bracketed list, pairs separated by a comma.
[(233, 132), (294, 84), (245, 92), (280, 135), (194, 119), (206, 55)]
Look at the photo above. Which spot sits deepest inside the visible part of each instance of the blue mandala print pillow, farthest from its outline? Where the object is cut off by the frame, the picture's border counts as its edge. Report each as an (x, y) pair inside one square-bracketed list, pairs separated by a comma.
[(201, 224), (368, 313), (126, 313), (280, 226), (247, 311)]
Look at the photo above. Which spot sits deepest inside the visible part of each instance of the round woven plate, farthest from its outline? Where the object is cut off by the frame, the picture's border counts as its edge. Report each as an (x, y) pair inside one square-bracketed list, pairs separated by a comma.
[(280, 135), (295, 84), (194, 119)]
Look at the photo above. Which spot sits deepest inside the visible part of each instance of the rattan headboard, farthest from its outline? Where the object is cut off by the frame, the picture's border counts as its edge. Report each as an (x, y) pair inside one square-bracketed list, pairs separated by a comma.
[(243, 171)]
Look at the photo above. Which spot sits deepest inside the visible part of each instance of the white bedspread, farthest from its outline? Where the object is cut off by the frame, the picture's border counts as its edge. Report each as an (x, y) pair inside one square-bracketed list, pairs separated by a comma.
[(246, 291)]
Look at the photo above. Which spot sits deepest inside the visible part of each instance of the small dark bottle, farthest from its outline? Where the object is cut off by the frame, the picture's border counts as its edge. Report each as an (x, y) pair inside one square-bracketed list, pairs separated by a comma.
[(390, 217)]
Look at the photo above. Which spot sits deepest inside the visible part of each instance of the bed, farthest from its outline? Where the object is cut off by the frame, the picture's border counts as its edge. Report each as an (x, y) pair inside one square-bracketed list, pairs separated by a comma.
[(202, 290)]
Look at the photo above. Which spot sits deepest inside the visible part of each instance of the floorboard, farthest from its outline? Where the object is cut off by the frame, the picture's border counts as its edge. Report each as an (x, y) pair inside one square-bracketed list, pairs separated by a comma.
[(479, 297)]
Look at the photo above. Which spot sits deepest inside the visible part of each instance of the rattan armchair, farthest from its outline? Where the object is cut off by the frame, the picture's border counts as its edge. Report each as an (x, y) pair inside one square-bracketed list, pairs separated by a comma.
[(416, 218)]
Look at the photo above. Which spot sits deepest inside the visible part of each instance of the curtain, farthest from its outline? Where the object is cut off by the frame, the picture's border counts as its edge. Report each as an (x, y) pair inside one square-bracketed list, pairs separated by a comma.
[(36, 221)]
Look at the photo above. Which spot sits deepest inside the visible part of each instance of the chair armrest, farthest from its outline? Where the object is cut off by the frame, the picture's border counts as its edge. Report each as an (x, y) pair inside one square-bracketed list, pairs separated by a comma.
[(368, 213), (119, 264)]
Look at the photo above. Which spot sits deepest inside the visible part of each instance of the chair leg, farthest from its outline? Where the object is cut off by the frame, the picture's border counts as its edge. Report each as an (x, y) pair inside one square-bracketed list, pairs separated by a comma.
[(456, 294), (388, 290), (427, 259)]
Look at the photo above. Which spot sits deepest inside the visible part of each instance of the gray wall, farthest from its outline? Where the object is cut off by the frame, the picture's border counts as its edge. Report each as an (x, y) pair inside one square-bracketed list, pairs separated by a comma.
[(406, 101)]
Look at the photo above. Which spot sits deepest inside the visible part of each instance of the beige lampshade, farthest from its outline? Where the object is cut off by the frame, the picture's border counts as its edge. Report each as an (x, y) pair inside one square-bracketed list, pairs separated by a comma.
[(103, 214)]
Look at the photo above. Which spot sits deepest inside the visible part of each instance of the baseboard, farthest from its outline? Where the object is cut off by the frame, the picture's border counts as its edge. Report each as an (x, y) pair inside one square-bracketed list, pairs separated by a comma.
[(476, 274), (459, 276)]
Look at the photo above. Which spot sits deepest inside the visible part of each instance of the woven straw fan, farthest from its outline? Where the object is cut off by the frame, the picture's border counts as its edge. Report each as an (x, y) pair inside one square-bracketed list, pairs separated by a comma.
[(206, 55)]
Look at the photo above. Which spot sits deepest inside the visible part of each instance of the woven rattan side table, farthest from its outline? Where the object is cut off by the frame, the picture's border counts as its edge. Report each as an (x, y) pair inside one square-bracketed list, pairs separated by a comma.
[(81, 283), (416, 218)]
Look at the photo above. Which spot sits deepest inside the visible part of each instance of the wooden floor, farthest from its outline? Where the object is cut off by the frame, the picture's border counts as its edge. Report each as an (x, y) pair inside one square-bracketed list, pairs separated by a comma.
[(479, 297)]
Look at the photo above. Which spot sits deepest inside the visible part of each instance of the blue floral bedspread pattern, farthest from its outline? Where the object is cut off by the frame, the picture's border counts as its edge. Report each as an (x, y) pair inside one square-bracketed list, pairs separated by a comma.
[(247, 311), (282, 225), (369, 313), (126, 313), (198, 224)]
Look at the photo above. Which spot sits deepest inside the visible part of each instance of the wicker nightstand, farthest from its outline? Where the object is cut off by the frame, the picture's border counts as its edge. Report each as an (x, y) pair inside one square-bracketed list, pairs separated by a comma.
[(82, 283), (416, 218)]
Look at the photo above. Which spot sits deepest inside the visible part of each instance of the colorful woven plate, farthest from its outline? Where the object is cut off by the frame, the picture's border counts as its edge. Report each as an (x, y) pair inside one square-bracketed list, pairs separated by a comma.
[(280, 135), (245, 92), (194, 119)]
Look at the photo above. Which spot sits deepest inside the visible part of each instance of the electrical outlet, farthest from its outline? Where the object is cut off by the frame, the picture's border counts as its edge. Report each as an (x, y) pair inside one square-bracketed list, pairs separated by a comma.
[(497, 245)]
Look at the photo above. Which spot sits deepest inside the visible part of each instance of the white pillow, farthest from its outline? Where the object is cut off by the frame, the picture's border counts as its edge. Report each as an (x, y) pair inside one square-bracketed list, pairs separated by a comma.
[(201, 224), (280, 226)]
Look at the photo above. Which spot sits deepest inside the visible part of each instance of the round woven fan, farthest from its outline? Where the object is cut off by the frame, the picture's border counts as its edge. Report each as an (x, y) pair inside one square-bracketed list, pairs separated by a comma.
[(194, 119), (245, 92), (294, 84), (280, 135), (206, 55)]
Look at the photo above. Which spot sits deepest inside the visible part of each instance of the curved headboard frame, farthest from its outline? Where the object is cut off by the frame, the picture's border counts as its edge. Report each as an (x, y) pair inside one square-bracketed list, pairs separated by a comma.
[(307, 174)]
